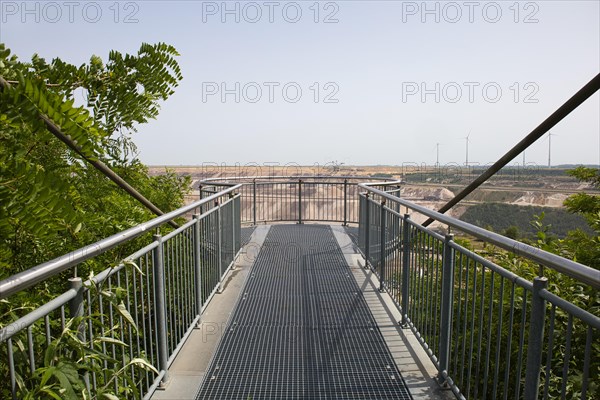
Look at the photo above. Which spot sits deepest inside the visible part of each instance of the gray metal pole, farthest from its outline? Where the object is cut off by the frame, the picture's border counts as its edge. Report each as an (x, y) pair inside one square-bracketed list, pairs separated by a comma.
[(161, 306), (233, 232), (219, 246), (367, 229), (99, 165), (563, 265), (197, 266), (536, 339), (405, 267), (446, 307), (200, 194), (30, 277), (382, 247), (76, 304), (299, 201), (254, 202), (345, 202), (575, 101), (76, 311)]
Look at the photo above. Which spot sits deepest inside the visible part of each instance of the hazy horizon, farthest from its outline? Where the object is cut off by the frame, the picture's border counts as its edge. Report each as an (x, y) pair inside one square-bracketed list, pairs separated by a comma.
[(358, 82)]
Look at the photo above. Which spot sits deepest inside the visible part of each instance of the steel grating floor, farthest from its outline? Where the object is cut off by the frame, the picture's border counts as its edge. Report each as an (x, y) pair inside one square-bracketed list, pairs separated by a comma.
[(302, 329), (352, 232), (246, 234)]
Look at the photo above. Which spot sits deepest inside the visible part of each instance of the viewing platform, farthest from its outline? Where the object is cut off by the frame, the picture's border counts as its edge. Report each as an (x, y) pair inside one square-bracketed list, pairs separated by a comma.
[(300, 317), (306, 288)]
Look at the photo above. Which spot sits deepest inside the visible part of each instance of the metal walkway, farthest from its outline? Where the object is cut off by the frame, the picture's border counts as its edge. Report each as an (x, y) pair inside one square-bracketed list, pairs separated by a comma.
[(302, 329)]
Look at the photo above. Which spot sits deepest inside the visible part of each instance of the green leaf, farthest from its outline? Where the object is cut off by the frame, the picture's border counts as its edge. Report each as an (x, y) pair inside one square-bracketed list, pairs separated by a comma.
[(110, 340), (140, 362), (133, 264), (50, 392), (67, 390), (122, 309), (46, 375), (50, 354)]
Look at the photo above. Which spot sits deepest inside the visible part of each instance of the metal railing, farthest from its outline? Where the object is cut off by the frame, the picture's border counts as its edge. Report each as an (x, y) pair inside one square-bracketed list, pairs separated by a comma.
[(491, 332), (160, 290), (296, 199)]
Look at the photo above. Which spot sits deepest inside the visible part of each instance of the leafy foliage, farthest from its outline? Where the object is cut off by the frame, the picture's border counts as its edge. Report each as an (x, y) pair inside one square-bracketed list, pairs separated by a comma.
[(582, 245), (502, 217), (566, 337), (53, 202), (70, 361), (492, 313), (50, 200)]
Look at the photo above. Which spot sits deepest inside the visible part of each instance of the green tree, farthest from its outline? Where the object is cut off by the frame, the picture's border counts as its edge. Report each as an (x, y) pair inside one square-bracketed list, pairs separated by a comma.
[(52, 201), (584, 247), (512, 232)]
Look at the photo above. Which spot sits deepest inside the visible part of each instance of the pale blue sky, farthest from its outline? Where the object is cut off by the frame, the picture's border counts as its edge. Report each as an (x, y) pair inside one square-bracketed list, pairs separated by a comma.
[(375, 61)]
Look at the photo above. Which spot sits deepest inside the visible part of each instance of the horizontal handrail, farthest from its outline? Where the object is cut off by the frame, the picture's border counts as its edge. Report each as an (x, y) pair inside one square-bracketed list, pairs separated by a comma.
[(488, 330), (299, 198), (583, 273), (592, 320), (172, 280), (30, 277), (15, 327), (296, 177)]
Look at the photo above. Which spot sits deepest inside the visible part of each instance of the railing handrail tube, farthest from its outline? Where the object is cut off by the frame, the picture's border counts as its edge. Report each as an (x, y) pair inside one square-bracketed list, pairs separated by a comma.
[(503, 272), (296, 177), (583, 273), (585, 316), (16, 326), (30, 277)]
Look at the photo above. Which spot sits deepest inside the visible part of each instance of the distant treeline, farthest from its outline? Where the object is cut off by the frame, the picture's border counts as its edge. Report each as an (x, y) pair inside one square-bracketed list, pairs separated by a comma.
[(452, 173), (515, 221)]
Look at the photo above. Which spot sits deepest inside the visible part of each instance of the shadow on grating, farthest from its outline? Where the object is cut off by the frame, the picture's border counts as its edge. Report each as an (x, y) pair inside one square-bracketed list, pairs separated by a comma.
[(302, 329), (245, 234), (352, 232)]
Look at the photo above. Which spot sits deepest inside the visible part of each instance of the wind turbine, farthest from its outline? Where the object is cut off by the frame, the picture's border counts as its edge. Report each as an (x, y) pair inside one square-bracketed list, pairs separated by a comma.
[(437, 159), (550, 134), (467, 151)]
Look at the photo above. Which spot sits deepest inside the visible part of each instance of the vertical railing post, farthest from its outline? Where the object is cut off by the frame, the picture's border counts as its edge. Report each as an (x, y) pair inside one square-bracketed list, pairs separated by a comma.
[(238, 224), (405, 267), (219, 246), (382, 248), (254, 202), (345, 202), (197, 266), (201, 196), (161, 307), (446, 307), (367, 229), (76, 303), (536, 338), (397, 207), (76, 311), (299, 201), (231, 196)]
